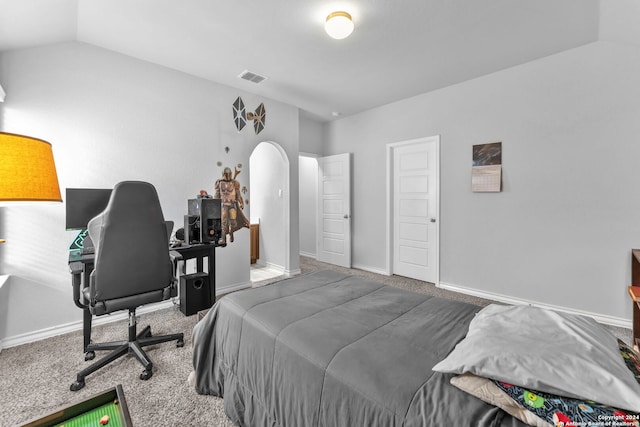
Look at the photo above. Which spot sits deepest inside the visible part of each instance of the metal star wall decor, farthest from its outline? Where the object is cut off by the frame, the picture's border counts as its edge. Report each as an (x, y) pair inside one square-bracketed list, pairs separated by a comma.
[(240, 116), (259, 118)]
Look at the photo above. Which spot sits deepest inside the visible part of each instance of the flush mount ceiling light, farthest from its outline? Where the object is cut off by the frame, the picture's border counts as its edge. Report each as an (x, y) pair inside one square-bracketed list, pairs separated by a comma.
[(339, 25)]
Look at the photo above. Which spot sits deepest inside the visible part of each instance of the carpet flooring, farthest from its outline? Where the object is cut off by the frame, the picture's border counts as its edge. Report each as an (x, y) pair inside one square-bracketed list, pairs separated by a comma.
[(35, 377)]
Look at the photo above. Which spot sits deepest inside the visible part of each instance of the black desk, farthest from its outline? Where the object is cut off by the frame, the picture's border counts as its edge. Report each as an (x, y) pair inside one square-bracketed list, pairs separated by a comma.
[(81, 267)]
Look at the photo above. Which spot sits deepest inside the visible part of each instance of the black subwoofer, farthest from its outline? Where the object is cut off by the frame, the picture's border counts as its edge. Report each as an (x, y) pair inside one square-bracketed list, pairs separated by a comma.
[(195, 293)]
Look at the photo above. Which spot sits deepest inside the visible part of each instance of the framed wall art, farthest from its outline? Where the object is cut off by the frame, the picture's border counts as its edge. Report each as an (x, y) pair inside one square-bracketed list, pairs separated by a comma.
[(486, 172)]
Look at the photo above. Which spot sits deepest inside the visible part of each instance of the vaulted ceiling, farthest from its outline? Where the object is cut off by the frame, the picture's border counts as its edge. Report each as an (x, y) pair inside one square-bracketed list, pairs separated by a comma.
[(399, 48)]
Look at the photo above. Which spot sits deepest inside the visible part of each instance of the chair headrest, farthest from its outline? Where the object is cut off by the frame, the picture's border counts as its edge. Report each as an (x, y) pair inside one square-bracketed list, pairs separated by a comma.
[(134, 202)]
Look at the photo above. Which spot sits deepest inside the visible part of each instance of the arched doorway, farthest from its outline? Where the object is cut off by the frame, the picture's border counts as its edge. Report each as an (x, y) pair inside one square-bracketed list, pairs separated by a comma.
[(270, 204)]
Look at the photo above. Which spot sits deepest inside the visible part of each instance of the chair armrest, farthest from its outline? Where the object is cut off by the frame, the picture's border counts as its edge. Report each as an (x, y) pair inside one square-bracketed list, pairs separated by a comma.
[(77, 268), (175, 256)]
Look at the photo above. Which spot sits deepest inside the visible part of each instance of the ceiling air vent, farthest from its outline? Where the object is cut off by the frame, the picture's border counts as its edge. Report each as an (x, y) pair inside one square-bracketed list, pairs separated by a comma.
[(252, 77)]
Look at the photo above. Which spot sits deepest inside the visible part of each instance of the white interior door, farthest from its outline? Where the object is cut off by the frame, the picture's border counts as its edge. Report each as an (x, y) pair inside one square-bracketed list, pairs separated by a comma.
[(415, 209), (334, 210)]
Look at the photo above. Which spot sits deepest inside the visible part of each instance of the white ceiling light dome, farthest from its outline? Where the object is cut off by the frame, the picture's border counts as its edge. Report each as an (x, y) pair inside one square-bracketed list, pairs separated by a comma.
[(339, 25)]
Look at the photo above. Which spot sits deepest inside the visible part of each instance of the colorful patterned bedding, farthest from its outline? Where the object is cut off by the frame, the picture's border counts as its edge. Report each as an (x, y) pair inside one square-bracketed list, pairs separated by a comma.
[(548, 368)]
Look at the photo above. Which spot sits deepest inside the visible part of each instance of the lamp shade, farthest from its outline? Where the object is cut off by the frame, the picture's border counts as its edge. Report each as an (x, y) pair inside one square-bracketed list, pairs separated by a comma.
[(339, 25), (27, 170)]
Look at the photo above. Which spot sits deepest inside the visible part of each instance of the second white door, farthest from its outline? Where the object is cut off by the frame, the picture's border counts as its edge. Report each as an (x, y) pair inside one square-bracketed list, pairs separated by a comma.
[(415, 209), (334, 210)]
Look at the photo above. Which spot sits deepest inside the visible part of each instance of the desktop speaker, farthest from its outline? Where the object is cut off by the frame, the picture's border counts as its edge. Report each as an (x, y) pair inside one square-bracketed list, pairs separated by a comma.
[(210, 220), (195, 293), (193, 207), (207, 225)]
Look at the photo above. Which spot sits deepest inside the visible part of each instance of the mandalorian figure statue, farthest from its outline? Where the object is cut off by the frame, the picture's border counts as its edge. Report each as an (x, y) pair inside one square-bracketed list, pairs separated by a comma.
[(228, 190)]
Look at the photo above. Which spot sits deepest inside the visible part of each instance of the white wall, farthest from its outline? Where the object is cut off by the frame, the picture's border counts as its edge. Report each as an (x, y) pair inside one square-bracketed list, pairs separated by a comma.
[(311, 136), (311, 146), (268, 187), (561, 231), (308, 173), (27, 306), (111, 118), (619, 21)]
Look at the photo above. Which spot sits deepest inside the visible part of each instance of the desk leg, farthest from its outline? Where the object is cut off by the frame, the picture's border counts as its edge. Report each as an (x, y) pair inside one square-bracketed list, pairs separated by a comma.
[(212, 273), (86, 328)]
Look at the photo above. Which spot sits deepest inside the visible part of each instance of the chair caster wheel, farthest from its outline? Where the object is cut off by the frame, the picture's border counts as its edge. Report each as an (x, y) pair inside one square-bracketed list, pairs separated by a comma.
[(76, 386), (145, 375), (89, 355), (180, 343)]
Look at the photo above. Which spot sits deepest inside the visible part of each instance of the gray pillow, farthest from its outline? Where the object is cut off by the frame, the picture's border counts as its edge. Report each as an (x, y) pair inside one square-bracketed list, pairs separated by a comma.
[(548, 351)]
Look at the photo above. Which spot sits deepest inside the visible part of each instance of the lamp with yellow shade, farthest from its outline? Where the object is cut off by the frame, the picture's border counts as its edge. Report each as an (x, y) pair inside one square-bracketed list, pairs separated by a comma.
[(27, 170)]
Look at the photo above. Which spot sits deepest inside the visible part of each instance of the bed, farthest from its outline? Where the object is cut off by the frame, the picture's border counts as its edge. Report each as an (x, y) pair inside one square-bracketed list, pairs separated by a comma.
[(329, 349)]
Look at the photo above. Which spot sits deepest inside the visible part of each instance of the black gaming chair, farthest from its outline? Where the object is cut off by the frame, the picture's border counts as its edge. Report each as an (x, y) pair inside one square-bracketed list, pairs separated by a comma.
[(132, 267)]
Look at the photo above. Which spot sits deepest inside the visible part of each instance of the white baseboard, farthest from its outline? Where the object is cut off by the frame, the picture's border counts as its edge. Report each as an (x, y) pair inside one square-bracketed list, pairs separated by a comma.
[(371, 269), (275, 267), (280, 269), (308, 254), (232, 288), (291, 273), (602, 318), (29, 337), (53, 331)]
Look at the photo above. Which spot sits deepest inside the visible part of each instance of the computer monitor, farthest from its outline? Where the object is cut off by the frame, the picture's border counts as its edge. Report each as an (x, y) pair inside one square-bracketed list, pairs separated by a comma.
[(83, 204)]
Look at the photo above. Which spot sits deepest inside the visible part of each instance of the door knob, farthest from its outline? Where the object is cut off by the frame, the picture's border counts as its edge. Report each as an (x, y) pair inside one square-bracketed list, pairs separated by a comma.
[(433, 220), (346, 216)]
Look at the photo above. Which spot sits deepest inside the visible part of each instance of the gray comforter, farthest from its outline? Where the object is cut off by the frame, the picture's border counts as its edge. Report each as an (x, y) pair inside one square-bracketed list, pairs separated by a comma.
[(326, 349)]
